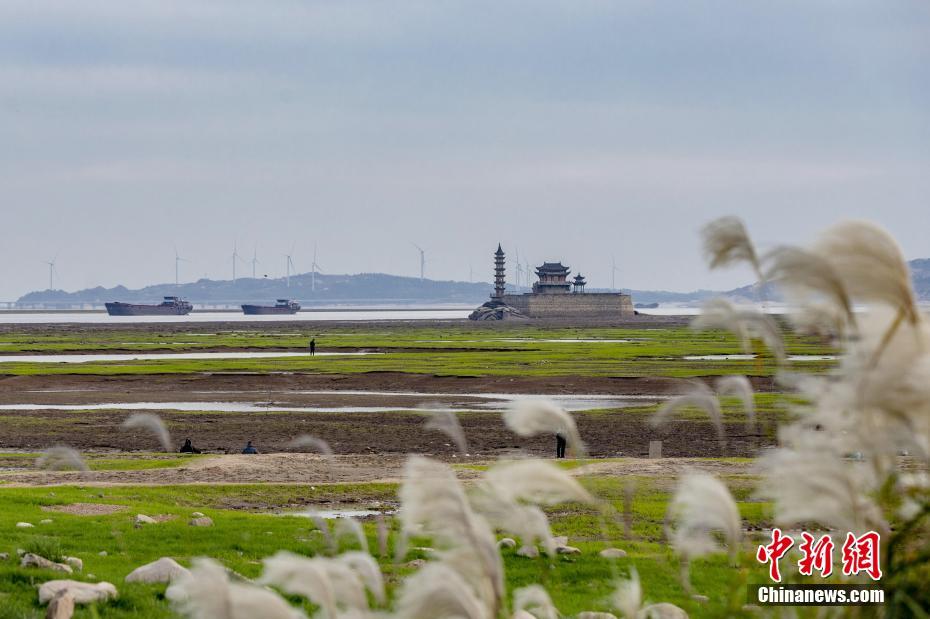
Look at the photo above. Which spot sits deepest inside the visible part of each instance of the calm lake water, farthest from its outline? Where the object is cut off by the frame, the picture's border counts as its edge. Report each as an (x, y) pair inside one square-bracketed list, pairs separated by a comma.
[(323, 315)]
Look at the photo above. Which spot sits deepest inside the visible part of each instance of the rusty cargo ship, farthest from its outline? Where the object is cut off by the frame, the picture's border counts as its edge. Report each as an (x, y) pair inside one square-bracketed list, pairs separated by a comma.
[(281, 306), (171, 306)]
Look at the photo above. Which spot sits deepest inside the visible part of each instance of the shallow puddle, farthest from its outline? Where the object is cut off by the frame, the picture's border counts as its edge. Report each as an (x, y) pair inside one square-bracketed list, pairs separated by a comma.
[(331, 514), (169, 356), (477, 402)]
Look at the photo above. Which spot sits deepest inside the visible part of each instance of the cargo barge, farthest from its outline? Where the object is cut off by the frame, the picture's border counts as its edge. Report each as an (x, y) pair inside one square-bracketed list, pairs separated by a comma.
[(171, 306), (281, 306)]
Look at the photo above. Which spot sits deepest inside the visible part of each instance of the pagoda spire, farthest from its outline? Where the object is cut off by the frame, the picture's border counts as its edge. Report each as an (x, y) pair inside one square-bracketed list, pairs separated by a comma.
[(499, 278)]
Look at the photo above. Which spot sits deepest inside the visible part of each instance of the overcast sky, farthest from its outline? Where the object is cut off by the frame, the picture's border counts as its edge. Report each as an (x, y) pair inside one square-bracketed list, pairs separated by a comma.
[(573, 131)]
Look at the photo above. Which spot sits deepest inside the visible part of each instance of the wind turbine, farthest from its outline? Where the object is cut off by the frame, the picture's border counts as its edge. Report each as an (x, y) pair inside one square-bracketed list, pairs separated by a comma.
[(177, 260), (613, 272), (422, 260), (51, 272), (235, 257), (254, 260), (314, 267), (519, 269), (289, 265)]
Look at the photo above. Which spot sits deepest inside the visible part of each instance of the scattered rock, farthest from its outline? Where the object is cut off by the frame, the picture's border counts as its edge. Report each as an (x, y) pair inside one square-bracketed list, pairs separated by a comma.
[(530, 552), (33, 560), (142, 519), (61, 606), (46, 521), (663, 610), (197, 515), (612, 553), (24, 525), (589, 614), (103, 553), (697, 597), (415, 564), (20, 551), (205, 521), (751, 608), (4, 556), (75, 563), (164, 570), (507, 543), (567, 550), (81, 592)]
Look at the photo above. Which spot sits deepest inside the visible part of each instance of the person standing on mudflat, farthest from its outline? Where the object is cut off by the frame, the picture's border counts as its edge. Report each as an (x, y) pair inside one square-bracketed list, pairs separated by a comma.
[(560, 444), (312, 346)]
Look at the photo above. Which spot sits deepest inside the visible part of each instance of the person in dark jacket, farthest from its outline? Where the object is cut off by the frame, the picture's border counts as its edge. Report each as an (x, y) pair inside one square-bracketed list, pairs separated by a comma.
[(188, 448), (249, 449), (560, 444), (312, 346)]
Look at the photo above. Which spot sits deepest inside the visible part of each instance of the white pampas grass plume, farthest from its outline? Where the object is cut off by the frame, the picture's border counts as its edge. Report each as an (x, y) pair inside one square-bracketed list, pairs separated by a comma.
[(206, 593), (60, 458), (745, 324), (702, 505), (527, 522), (727, 242), (535, 481), (871, 265), (433, 503), (628, 597), (311, 578), (438, 592), (803, 273), (322, 525), (152, 423), (351, 528), (532, 417), (740, 387), (824, 487), (698, 395), (382, 531), (367, 570), (535, 600), (306, 441), (447, 422)]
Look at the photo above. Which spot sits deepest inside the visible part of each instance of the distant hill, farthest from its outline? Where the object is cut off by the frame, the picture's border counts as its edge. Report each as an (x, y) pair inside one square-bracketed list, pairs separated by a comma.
[(360, 289), (376, 288)]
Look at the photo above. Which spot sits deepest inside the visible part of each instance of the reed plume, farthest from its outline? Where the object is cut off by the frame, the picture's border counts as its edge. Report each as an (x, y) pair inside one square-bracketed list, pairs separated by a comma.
[(447, 422), (306, 441), (628, 596), (871, 265), (60, 458), (745, 324), (438, 592), (740, 387), (433, 503), (535, 600), (535, 481), (151, 423), (701, 506), (697, 395), (351, 528), (726, 242), (207, 593), (532, 417), (803, 274)]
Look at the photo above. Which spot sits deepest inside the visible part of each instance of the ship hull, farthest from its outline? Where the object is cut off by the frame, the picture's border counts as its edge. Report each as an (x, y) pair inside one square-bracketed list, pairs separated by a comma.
[(263, 310), (131, 309)]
